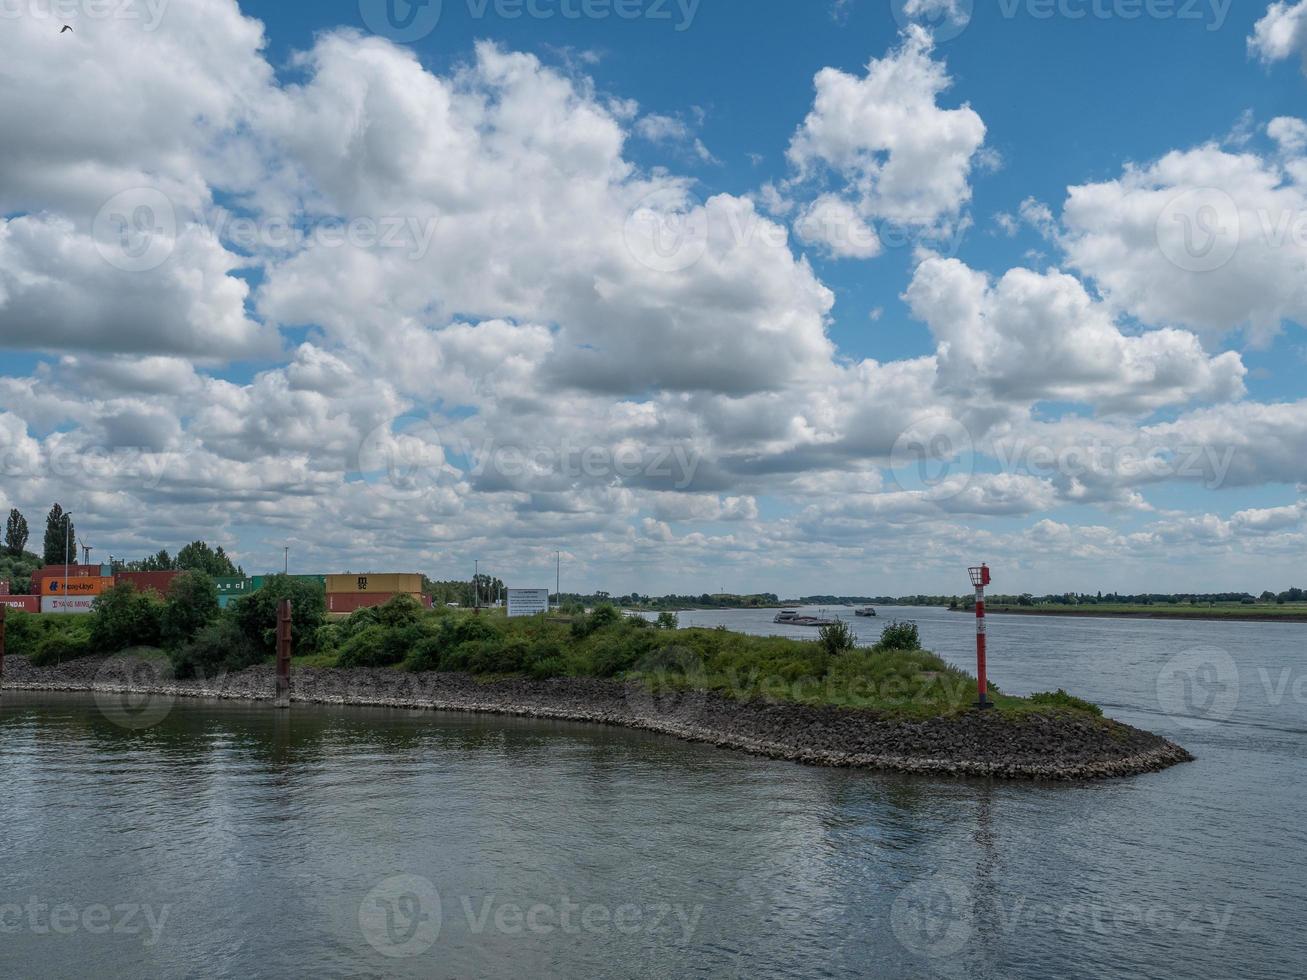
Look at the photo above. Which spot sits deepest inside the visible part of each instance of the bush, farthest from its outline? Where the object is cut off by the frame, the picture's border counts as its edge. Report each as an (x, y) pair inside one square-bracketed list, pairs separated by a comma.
[(668, 621), (601, 618), (366, 648), (191, 605), (899, 636), (402, 610), (256, 614), (124, 617), (219, 647), (1060, 699), (56, 646), (837, 638)]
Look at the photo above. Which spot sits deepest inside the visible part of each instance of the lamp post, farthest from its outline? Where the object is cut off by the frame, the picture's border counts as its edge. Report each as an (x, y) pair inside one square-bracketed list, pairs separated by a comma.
[(68, 523), (980, 579)]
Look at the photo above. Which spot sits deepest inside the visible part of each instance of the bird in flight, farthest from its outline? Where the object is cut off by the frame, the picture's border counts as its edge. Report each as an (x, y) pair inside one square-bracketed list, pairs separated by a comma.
[(65, 28)]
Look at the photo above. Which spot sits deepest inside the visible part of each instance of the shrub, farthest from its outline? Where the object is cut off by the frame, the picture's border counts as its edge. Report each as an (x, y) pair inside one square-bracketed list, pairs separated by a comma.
[(601, 618), (668, 621), (837, 638), (366, 648), (216, 648), (899, 636), (124, 617), (1061, 699), (191, 605), (402, 610), (56, 646)]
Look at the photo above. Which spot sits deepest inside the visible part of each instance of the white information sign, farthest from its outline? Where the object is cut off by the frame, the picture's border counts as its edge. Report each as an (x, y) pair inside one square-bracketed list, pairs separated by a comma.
[(527, 602)]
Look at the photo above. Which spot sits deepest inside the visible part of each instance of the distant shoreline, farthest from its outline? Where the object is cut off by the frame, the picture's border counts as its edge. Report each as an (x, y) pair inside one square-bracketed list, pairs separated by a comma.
[(1187, 614)]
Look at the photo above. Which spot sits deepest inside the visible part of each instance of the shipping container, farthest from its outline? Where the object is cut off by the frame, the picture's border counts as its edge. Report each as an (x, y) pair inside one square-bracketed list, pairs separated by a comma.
[(4, 586), (72, 571), (374, 582), (160, 582), (81, 585), (61, 604), (232, 586), (258, 581), (27, 603), (347, 602)]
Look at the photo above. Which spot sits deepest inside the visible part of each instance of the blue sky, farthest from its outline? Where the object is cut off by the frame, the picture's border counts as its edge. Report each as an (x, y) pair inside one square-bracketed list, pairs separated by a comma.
[(1033, 162)]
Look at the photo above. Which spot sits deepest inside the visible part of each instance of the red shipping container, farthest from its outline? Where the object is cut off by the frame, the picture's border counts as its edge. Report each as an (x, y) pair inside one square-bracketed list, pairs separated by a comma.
[(347, 602), (160, 582), (4, 586), (27, 603)]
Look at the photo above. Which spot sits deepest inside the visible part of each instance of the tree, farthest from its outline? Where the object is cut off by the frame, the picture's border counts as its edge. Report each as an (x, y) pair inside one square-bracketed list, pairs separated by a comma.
[(191, 605), (125, 618), (256, 613), (59, 540), (199, 557), (16, 533)]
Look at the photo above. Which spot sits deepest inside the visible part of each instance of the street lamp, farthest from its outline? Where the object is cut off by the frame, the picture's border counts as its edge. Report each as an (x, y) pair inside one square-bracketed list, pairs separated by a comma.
[(980, 579), (68, 519)]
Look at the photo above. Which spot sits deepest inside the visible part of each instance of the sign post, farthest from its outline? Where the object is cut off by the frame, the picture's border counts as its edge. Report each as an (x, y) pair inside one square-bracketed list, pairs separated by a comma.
[(980, 579), (283, 654)]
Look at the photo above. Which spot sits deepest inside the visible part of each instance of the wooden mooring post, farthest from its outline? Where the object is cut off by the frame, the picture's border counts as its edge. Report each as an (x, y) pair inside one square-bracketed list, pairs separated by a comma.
[(283, 654)]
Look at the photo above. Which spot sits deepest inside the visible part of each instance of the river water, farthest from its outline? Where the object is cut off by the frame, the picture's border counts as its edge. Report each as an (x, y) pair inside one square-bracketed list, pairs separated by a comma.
[(230, 840)]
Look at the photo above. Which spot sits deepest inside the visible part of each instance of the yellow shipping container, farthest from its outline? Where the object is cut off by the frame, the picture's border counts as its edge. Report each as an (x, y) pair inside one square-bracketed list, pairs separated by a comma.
[(365, 582)]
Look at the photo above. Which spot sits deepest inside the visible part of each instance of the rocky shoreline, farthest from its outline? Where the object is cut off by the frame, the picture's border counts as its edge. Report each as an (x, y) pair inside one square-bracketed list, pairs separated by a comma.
[(1038, 746)]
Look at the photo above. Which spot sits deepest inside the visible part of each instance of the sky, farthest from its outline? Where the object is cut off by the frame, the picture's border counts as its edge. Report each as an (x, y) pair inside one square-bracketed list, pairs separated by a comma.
[(839, 296)]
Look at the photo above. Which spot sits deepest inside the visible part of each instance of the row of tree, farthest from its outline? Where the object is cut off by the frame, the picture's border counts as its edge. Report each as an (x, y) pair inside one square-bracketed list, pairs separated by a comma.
[(60, 536)]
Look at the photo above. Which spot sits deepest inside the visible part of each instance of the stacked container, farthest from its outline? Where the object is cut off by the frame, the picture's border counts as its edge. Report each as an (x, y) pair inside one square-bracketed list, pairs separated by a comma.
[(346, 593), (160, 582)]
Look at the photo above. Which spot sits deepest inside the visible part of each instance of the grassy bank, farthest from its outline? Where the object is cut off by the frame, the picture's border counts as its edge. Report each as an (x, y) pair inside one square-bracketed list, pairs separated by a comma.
[(1233, 612), (895, 677)]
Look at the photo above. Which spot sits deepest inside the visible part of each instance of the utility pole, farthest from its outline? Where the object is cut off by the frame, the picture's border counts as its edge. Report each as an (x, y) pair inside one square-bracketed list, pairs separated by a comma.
[(285, 560), (476, 586), (558, 579)]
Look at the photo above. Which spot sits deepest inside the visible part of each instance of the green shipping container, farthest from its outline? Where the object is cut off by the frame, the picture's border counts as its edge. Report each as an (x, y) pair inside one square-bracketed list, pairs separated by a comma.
[(258, 581), (232, 586)]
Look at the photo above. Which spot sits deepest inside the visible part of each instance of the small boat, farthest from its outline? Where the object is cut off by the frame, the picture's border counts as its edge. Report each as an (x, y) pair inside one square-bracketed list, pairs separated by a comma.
[(792, 617), (865, 611)]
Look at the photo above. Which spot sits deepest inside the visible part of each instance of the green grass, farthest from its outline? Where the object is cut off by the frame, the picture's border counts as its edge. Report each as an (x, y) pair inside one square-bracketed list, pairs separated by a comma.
[(910, 683)]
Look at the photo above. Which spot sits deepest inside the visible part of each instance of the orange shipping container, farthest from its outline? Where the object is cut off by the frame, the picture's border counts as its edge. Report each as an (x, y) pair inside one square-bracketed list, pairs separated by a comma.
[(82, 585)]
